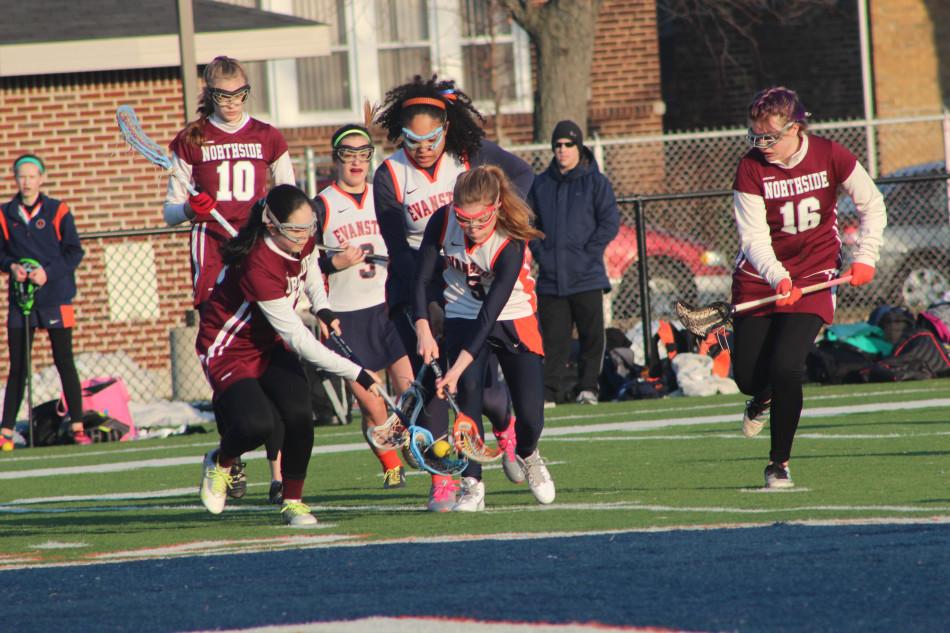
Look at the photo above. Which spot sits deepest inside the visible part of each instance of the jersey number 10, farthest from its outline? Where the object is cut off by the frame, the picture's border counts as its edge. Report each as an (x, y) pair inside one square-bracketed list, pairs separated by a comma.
[(235, 181)]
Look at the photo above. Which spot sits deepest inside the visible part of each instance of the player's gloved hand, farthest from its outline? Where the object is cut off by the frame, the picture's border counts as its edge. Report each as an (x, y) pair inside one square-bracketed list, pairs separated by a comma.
[(794, 293), (201, 205), (861, 274)]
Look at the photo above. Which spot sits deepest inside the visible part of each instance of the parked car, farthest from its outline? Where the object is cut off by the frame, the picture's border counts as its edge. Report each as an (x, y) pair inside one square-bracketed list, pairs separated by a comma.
[(914, 269), (678, 268)]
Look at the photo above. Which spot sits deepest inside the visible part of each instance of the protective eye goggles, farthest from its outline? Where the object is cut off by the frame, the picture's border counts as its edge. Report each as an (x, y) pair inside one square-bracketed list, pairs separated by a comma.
[(476, 222), (347, 154), (296, 233), (765, 141), (413, 142), (228, 97)]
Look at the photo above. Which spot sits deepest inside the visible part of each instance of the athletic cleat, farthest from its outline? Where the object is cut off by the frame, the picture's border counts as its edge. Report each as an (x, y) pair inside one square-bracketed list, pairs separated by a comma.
[(394, 478), (442, 495), (539, 479), (276, 493), (215, 482), (507, 441), (472, 498), (6, 444), (238, 480), (80, 437), (587, 397), (777, 476), (297, 514), (755, 416)]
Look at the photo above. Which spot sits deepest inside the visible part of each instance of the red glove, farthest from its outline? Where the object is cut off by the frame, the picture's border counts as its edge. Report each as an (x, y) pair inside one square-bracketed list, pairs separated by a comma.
[(794, 293), (202, 204), (861, 274)]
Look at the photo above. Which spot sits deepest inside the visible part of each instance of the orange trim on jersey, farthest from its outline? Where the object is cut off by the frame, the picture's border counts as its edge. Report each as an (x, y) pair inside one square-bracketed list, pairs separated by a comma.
[(3, 226), (529, 333), (326, 219), (396, 188), (435, 172), (58, 218), (68, 315), (359, 205), (498, 252), (527, 281)]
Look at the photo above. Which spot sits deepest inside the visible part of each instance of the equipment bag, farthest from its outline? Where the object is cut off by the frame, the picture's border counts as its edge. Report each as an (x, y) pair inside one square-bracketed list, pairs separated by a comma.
[(108, 396)]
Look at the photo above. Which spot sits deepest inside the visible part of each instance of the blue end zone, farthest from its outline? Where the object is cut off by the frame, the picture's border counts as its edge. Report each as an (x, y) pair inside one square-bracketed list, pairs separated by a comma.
[(776, 578)]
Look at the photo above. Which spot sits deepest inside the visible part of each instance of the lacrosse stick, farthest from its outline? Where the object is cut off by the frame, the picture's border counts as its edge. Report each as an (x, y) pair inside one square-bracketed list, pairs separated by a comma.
[(371, 258), (465, 435), (139, 141), (701, 320), (24, 294)]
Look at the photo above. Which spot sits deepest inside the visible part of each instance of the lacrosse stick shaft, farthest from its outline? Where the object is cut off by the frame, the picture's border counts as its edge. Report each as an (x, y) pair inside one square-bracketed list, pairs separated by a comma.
[(748, 305), (374, 259), (227, 226), (348, 352)]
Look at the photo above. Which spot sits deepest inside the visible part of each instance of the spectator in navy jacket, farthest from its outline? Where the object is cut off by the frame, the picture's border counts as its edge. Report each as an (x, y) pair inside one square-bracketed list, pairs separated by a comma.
[(574, 206), (40, 228)]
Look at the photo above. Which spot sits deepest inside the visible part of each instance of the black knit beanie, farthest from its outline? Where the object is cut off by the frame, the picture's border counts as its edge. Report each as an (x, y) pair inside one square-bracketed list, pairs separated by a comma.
[(569, 130)]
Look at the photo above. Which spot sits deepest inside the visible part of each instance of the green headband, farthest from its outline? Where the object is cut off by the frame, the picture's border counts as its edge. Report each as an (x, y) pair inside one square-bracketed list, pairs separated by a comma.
[(343, 135), (29, 159)]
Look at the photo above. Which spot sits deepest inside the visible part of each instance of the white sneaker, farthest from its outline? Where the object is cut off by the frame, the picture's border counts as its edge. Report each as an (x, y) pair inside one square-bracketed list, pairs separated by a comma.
[(297, 514), (587, 397), (215, 482), (755, 416), (539, 479), (472, 498)]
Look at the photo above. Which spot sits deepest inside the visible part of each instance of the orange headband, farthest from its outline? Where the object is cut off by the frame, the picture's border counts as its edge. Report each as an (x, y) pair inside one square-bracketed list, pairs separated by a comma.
[(438, 103)]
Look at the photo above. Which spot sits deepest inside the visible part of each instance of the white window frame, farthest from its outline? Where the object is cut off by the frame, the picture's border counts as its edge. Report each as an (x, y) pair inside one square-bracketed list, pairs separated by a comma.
[(362, 51)]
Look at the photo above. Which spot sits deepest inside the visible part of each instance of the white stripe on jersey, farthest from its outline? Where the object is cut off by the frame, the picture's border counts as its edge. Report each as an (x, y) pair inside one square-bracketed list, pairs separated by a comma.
[(364, 285), (468, 275), (421, 194), (235, 323)]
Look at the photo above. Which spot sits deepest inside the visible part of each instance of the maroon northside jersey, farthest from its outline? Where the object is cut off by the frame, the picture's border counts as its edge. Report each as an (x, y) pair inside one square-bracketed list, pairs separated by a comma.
[(232, 169), (800, 207), (235, 339)]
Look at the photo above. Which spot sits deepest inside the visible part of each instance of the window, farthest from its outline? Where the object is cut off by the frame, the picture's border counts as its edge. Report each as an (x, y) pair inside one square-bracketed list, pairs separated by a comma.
[(323, 83), (402, 37), (487, 51)]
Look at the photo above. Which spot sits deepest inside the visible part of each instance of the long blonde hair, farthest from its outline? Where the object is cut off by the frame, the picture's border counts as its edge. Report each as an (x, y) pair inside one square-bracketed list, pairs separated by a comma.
[(220, 66), (488, 183)]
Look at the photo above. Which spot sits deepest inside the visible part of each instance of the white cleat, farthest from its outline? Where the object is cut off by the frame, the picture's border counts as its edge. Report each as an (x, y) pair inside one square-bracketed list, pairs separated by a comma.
[(472, 497), (539, 479), (215, 482)]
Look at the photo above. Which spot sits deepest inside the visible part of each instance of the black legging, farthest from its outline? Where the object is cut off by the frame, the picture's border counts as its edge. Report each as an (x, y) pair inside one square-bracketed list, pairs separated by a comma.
[(251, 410), (769, 361), (524, 375), (61, 340)]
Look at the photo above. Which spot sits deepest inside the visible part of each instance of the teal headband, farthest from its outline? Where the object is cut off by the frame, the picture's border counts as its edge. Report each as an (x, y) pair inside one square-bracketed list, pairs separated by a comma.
[(29, 159), (346, 133)]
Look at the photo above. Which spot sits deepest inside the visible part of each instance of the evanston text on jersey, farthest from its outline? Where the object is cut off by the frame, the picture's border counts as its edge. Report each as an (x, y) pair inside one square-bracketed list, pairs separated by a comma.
[(795, 186), (424, 208), (228, 151), (356, 229), (469, 269)]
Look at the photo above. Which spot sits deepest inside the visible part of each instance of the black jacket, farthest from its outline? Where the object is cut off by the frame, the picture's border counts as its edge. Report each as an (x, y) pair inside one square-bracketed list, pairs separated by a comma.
[(578, 214)]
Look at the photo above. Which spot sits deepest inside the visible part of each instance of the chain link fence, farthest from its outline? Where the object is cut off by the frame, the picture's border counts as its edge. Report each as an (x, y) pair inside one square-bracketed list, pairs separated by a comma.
[(135, 317)]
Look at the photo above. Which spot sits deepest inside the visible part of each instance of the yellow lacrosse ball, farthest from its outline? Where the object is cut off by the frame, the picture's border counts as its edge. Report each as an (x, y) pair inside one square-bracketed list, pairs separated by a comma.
[(441, 448)]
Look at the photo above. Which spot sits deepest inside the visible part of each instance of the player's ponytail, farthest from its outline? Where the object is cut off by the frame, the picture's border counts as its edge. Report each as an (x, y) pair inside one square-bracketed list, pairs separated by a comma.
[(282, 200), (488, 183), (220, 66)]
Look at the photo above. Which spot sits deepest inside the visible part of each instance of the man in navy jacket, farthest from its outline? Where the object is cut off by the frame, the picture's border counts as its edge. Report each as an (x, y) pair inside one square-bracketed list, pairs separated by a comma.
[(576, 209)]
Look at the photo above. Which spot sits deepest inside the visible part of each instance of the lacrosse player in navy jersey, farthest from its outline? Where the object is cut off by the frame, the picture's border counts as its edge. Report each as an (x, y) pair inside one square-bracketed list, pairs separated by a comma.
[(228, 156), (251, 342), (35, 226), (357, 286), (439, 135), (785, 195), (490, 304)]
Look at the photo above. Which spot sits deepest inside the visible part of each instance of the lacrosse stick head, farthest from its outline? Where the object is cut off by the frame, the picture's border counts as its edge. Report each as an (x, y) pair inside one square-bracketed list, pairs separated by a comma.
[(701, 320), (138, 140), (469, 442), (420, 443), (390, 435), (24, 292)]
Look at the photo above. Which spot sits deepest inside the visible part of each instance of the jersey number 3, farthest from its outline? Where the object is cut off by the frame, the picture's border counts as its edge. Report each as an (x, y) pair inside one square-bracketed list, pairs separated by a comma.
[(235, 181), (804, 219)]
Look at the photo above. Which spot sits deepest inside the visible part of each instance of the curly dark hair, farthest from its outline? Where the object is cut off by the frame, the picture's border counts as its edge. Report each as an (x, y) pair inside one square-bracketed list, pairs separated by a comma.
[(465, 122)]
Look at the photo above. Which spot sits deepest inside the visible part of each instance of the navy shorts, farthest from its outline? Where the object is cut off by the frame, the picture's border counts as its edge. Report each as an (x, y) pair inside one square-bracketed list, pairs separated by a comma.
[(46, 318), (372, 336)]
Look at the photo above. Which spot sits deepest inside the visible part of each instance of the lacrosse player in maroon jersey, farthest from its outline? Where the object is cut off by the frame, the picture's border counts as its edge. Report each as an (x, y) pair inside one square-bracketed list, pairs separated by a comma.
[(785, 195), (439, 137), (251, 342), (227, 156), (357, 286), (490, 305)]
